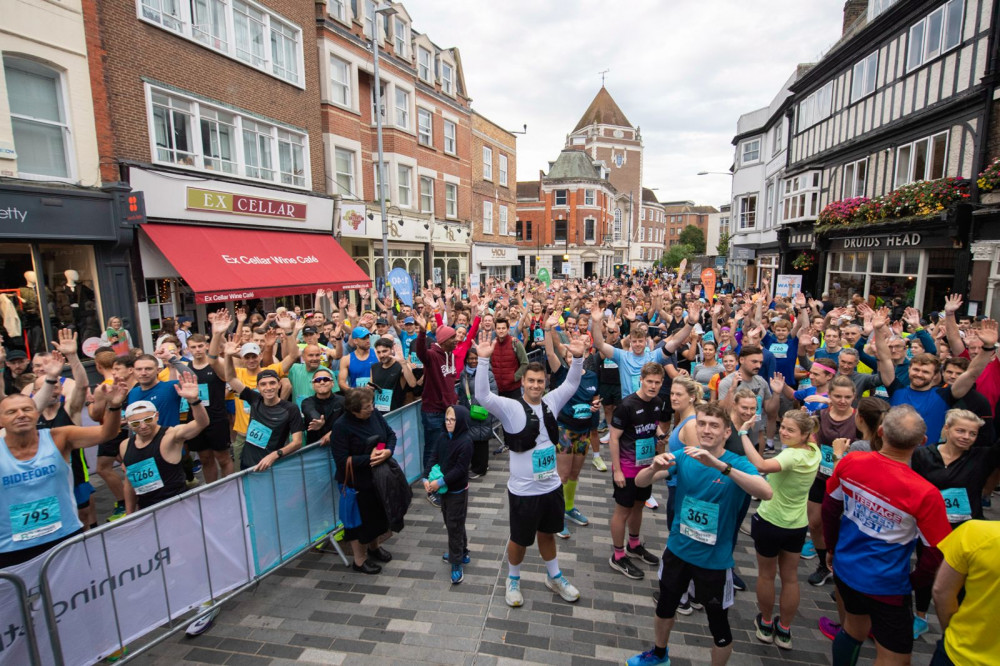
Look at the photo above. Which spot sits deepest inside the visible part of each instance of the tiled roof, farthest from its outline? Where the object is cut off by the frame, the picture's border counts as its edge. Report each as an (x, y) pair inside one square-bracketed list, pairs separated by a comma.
[(573, 164), (603, 111), (648, 196), (528, 189)]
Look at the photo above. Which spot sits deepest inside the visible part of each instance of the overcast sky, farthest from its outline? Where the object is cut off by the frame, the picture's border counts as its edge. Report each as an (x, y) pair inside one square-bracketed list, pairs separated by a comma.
[(683, 72)]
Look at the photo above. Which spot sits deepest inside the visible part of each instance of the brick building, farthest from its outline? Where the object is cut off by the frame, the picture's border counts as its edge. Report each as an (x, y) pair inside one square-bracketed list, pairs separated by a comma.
[(65, 243), (566, 220), (494, 200), (213, 110), (427, 141), (680, 214), (652, 235)]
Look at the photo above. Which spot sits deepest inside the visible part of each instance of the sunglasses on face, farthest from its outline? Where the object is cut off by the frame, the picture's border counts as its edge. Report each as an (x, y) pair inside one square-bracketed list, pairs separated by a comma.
[(322, 380), (146, 421)]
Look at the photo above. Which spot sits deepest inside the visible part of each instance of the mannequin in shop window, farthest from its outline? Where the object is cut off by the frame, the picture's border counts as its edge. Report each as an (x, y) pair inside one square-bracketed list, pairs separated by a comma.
[(31, 314), (76, 307)]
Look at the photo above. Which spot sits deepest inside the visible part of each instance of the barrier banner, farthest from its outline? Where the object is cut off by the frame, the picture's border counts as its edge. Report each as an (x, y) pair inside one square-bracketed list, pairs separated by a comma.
[(14, 648), (409, 428), (291, 507)]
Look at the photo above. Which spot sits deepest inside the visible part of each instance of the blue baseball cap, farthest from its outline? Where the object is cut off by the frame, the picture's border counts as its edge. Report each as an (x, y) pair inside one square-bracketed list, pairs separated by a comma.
[(359, 332)]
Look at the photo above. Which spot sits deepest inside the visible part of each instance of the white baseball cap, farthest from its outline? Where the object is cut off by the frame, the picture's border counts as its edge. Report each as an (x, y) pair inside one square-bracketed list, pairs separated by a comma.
[(250, 348), (139, 407)]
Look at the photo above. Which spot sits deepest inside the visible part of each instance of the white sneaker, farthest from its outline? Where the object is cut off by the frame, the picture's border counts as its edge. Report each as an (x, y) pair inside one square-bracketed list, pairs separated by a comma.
[(563, 588), (203, 623), (514, 598), (651, 503), (606, 438)]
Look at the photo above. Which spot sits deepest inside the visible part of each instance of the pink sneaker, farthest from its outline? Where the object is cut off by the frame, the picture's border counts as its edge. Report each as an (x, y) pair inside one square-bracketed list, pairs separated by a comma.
[(828, 627)]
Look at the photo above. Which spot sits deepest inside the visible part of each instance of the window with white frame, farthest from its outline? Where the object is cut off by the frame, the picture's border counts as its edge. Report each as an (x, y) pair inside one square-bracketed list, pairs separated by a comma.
[(425, 68), (340, 81), (402, 108), (192, 133), (337, 9), (938, 32), (561, 197), (344, 172), (503, 170), (260, 38), (400, 37), (38, 119), (404, 185), (855, 179), (769, 203), (876, 7), (450, 200), (800, 197), (618, 224), (426, 194), (381, 98), (747, 207), (487, 163), (924, 159), (449, 137), (750, 151), (588, 197), (779, 138), (381, 187), (816, 107), (369, 19), (503, 220), (863, 78), (447, 78), (425, 127), (487, 217)]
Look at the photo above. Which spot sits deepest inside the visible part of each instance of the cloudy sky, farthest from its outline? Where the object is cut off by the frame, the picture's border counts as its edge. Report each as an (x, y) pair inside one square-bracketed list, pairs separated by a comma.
[(681, 71)]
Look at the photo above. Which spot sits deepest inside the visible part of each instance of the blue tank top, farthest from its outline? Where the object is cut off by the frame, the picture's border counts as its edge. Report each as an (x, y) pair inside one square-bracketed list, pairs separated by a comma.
[(36, 497), (359, 372), (675, 444)]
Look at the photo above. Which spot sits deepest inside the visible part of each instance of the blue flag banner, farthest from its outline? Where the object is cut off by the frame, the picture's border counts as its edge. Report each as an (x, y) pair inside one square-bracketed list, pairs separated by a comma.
[(401, 282)]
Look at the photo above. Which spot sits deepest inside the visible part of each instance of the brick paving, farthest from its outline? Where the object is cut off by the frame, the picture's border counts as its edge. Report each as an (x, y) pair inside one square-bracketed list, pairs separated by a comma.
[(316, 611)]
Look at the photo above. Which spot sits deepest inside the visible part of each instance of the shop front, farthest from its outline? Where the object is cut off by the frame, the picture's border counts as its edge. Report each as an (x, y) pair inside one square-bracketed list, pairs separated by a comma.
[(361, 236), (496, 261), (451, 253), (742, 266), (917, 265), (64, 263), (212, 244)]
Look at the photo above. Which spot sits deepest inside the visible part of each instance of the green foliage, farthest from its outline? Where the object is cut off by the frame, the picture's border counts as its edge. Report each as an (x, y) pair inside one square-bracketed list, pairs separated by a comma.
[(672, 257), (693, 237), (723, 247)]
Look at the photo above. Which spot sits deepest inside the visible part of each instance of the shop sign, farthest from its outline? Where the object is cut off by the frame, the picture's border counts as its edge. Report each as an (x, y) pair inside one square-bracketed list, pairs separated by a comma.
[(242, 204), (900, 241), (52, 214), (744, 254), (495, 255), (353, 220)]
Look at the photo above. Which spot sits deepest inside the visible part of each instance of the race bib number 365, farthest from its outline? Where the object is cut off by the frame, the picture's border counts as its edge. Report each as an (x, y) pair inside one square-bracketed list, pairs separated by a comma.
[(700, 520)]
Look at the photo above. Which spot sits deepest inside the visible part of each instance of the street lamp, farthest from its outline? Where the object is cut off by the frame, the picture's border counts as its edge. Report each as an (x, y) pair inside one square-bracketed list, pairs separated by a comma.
[(385, 11)]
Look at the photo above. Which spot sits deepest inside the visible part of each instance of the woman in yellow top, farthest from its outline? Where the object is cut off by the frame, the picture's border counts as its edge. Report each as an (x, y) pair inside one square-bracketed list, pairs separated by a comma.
[(780, 525)]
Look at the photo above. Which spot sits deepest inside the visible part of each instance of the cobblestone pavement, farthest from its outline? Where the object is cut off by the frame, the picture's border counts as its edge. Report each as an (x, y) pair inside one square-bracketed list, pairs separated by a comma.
[(315, 610)]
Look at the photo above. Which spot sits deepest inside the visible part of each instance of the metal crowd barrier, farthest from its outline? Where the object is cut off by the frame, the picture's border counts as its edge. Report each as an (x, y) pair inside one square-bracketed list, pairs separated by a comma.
[(21, 592)]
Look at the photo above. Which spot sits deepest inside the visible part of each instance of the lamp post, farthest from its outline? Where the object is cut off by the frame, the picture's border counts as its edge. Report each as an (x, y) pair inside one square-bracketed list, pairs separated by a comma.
[(385, 11), (628, 246)]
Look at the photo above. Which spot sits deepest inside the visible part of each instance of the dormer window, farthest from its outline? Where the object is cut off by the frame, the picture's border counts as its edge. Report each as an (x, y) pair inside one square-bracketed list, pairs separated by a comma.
[(425, 67), (447, 78), (400, 38)]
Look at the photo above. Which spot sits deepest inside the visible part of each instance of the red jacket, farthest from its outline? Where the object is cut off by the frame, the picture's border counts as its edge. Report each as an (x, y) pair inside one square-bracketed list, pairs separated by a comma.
[(439, 375), (507, 363)]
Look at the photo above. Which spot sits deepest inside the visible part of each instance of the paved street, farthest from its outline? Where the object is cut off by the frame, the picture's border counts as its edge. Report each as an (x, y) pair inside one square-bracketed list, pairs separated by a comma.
[(316, 611)]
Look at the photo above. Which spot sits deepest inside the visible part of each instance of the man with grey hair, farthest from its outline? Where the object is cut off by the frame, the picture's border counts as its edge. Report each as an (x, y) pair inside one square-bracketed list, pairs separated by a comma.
[(847, 366), (875, 508)]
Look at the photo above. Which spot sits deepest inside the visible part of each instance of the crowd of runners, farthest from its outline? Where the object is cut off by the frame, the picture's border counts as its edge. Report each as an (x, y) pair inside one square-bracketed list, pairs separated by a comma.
[(864, 429)]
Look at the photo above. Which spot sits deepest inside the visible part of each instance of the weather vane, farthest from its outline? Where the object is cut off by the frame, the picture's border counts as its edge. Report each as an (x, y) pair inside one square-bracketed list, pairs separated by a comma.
[(602, 73)]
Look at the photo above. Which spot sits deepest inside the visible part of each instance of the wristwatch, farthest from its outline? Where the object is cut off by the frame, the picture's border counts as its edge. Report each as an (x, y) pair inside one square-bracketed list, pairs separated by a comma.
[(729, 468), (280, 452)]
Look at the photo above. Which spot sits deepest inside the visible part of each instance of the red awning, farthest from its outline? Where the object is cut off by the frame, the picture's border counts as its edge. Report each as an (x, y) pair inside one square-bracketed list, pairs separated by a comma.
[(226, 264)]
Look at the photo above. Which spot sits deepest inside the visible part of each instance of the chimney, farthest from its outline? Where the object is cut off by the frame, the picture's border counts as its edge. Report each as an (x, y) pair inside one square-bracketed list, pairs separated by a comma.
[(852, 10)]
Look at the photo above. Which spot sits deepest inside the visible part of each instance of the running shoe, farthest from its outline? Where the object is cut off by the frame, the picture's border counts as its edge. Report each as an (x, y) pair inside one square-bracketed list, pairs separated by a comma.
[(457, 575), (500, 449), (434, 499), (625, 566), (575, 516), (562, 587), (695, 605), (514, 598), (782, 637), (738, 583), (828, 628), (565, 534), (203, 623), (606, 437), (116, 656), (651, 503), (196, 467), (821, 576), (808, 550), (744, 529), (473, 475), (648, 658), (465, 557), (117, 513), (599, 464), (643, 554), (765, 632), (920, 627), (685, 607)]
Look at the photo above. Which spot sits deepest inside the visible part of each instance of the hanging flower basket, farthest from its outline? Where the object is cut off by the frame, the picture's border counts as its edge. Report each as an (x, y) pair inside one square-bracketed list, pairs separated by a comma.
[(989, 179), (805, 261)]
